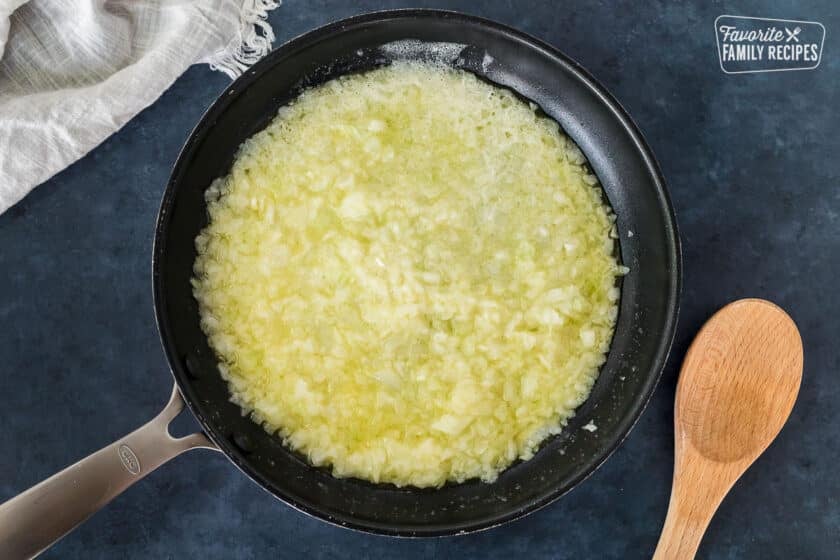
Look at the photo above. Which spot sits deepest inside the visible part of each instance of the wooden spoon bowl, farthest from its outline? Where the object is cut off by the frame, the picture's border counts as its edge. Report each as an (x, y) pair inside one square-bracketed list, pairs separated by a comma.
[(736, 390)]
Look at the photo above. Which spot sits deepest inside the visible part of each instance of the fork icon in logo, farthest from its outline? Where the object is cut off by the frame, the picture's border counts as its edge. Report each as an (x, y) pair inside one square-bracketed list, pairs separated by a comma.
[(792, 35)]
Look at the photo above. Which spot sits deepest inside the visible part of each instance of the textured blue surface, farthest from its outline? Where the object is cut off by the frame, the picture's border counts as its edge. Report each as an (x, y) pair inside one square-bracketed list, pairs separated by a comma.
[(752, 164)]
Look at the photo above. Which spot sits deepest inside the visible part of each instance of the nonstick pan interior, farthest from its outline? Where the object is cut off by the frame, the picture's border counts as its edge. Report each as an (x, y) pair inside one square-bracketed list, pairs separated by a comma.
[(631, 181)]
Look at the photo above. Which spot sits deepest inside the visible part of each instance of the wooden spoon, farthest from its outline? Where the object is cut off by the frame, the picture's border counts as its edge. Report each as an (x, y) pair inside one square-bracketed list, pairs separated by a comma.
[(737, 387)]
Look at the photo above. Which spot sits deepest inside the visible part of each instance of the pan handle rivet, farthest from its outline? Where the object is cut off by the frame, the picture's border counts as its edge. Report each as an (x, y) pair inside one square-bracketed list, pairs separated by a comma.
[(192, 367), (243, 442)]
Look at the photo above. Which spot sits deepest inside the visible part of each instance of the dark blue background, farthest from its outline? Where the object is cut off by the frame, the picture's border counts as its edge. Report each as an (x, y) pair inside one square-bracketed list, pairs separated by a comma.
[(752, 162)]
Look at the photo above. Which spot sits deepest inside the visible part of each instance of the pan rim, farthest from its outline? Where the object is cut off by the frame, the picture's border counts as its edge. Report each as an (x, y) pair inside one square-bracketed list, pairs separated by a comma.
[(671, 235)]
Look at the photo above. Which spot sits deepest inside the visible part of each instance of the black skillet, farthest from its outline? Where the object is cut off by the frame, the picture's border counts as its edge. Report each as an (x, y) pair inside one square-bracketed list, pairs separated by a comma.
[(649, 298)]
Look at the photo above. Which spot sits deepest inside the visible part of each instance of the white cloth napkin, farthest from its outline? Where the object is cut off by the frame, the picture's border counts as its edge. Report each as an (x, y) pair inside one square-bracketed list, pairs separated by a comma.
[(72, 72)]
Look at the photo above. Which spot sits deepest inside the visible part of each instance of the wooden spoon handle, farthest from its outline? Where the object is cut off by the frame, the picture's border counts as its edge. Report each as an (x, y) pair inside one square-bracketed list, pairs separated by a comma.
[(681, 534), (698, 489)]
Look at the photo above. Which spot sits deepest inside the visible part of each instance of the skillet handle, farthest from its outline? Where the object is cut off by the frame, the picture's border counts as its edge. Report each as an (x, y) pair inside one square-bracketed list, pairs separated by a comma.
[(37, 518)]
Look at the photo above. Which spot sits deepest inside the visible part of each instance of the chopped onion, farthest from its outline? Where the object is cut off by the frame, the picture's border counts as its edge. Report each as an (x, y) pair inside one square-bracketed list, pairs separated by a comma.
[(409, 276)]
